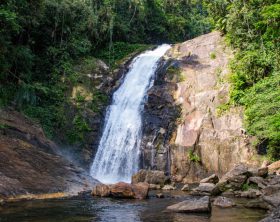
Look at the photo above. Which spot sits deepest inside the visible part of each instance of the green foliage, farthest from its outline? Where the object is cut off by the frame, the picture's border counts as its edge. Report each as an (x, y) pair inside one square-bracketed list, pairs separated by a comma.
[(262, 103), (223, 108), (193, 157), (213, 55), (175, 74), (247, 186), (253, 29)]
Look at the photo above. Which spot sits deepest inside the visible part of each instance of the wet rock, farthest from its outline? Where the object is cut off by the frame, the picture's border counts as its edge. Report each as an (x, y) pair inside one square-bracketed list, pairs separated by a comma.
[(169, 187), (251, 193), (101, 190), (122, 190), (211, 179), (160, 195), (258, 203), (185, 187), (201, 205), (154, 187), (149, 176), (140, 190), (223, 202), (273, 217)]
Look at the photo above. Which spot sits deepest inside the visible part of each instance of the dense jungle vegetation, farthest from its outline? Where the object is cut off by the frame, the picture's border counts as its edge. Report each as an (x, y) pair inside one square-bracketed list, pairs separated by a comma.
[(41, 42), (252, 28)]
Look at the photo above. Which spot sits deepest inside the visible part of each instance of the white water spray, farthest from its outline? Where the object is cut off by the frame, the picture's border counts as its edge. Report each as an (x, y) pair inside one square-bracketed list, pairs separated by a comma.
[(118, 152)]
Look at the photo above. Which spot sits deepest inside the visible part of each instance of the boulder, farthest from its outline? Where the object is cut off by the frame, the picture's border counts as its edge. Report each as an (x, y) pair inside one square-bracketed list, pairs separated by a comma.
[(169, 187), (223, 202), (204, 189), (274, 167), (259, 181), (201, 205), (273, 200), (122, 190), (185, 187), (251, 193), (233, 180), (101, 190), (211, 179), (149, 176), (263, 171), (140, 190)]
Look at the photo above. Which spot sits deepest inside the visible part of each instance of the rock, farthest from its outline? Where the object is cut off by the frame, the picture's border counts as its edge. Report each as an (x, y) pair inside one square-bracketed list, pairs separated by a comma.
[(233, 180), (211, 179), (201, 205), (140, 190), (223, 202), (263, 171), (101, 190), (185, 187), (259, 181), (273, 200), (154, 186), (149, 176), (273, 217), (29, 163), (122, 190), (271, 189), (251, 193), (160, 195), (258, 203), (274, 167), (205, 187), (169, 187)]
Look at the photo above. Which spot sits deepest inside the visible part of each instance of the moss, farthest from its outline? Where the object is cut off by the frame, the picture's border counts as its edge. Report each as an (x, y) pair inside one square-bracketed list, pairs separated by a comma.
[(213, 55), (222, 109), (193, 157)]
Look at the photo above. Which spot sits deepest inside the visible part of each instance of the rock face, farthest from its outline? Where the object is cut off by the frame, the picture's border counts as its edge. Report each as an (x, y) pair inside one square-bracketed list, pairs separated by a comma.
[(204, 189), (29, 163), (122, 190), (274, 217), (201, 205), (211, 179), (186, 133), (149, 176)]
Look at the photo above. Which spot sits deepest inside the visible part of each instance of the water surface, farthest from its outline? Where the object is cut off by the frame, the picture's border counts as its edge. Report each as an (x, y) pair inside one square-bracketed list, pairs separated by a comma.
[(87, 209)]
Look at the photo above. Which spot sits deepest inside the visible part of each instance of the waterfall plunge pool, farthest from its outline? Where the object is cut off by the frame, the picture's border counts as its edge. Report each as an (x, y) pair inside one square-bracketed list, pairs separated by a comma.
[(88, 209)]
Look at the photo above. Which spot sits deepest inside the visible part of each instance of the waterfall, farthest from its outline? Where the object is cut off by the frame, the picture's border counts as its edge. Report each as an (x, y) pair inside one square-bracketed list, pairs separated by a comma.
[(118, 152)]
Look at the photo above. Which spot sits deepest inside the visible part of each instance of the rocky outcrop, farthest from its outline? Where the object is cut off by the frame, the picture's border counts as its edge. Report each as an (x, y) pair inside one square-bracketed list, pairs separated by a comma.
[(29, 164), (190, 131), (201, 205), (122, 190), (273, 217)]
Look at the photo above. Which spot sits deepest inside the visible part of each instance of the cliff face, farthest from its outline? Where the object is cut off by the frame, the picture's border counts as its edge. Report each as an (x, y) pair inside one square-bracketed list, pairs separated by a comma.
[(29, 164), (206, 139)]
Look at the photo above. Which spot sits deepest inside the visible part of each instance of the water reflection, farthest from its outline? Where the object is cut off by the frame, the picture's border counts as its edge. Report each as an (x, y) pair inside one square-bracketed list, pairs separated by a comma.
[(110, 210)]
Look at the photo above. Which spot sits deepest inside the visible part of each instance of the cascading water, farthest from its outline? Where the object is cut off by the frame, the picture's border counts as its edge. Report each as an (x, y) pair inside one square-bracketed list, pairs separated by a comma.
[(118, 152)]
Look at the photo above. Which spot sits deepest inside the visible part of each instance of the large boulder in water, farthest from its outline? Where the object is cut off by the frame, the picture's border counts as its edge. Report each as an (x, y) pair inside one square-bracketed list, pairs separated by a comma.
[(122, 190), (101, 190), (201, 205), (149, 176)]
